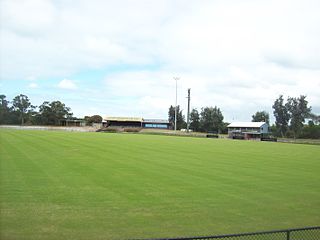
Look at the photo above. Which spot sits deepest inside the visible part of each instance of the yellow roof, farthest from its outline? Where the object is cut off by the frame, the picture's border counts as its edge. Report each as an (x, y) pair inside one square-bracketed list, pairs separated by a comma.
[(124, 119)]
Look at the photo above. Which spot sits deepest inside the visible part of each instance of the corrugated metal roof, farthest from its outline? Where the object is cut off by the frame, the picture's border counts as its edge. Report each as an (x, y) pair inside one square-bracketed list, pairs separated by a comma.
[(124, 119), (155, 121), (135, 119), (246, 124)]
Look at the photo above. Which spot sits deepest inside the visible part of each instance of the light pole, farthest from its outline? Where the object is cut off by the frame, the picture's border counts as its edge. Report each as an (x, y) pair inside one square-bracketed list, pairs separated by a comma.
[(175, 109), (188, 114)]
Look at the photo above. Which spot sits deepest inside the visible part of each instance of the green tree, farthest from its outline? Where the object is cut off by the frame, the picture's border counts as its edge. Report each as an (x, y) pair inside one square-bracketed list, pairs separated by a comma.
[(281, 114), (93, 119), (315, 118), (195, 120), (299, 111), (4, 109), (180, 118), (211, 119), (261, 116), (310, 131), (171, 115), (22, 105), (44, 116), (224, 129), (52, 113)]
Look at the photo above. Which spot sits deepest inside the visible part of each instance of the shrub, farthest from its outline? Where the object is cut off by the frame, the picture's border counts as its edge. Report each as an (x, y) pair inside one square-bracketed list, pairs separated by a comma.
[(108, 130), (132, 129), (311, 131)]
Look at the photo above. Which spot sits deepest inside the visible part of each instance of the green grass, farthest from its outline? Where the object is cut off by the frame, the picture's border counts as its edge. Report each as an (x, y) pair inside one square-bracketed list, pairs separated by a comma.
[(59, 185)]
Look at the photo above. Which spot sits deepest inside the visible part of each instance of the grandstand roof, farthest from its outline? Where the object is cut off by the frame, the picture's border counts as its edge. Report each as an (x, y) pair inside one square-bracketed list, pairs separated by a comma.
[(155, 121), (246, 124), (124, 119)]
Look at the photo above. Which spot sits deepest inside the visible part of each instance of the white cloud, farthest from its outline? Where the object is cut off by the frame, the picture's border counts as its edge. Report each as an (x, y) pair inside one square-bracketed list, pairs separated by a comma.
[(238, 55), (28, 17), (238, 91), (33, 85), (67, 84), (31, 78)]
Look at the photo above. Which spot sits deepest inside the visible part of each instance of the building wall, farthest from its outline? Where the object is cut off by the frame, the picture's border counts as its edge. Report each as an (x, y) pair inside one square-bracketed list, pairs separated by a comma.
[(120, 124), (248, 132), (123, 124), (264, 128), (156, 125), (72, 123)]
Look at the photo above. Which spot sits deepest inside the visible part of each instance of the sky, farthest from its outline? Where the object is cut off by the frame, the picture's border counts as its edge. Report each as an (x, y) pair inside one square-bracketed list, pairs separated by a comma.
[(119, 58)]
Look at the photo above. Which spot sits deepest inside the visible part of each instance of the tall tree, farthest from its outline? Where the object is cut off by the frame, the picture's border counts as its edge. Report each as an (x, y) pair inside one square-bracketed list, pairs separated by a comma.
[(299, 111), (261, 116), (60, 111), (180, 118), (52, 113), (93, 119), (171, 115), (281, 114), (22, 105), (44, 117), (211, 119), (195, 120), (4, 109)]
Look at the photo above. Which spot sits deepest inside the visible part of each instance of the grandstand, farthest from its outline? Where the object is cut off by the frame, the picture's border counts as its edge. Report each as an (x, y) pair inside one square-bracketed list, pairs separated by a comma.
[(136, 122)]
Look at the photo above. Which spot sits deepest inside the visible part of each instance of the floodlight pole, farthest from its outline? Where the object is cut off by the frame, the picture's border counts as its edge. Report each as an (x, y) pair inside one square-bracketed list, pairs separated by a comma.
[(188, 122), (175, 109)]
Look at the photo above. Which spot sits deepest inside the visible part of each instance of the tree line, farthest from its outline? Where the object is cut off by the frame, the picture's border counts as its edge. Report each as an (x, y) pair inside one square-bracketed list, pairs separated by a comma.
[(289, 116), (21, 111), (210, 119)]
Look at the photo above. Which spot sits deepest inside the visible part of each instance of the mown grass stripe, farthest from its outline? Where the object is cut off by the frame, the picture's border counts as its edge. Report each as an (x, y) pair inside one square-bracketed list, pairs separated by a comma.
[(58, 185)]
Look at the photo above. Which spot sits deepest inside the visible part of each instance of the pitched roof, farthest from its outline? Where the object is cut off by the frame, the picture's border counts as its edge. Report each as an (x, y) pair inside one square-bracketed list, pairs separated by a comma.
[(246, 124)]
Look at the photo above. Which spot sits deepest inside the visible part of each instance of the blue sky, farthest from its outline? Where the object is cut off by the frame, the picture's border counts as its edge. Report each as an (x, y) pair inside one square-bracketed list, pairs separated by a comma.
[(118, 58)]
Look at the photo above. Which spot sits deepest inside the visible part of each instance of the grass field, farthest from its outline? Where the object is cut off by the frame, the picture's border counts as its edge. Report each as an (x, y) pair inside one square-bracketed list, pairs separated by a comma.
[(60, 185)]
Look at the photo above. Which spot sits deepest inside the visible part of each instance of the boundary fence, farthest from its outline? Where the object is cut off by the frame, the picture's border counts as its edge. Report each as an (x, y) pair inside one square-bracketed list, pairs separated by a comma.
[(307, 233)]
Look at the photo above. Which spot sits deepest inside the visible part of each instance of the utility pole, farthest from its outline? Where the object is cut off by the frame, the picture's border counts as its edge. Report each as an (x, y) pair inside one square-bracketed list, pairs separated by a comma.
[(175, 109), (188, 123)]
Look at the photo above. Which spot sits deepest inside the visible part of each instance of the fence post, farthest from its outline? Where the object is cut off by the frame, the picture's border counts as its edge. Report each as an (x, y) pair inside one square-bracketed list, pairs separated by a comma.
[(288, 235)]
